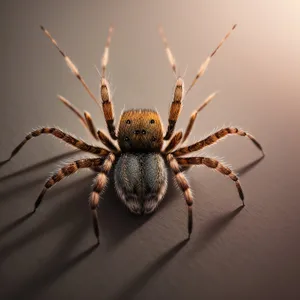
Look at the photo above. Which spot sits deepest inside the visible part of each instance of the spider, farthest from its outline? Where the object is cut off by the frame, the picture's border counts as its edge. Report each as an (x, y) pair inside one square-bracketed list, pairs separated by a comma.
[(140, 158)]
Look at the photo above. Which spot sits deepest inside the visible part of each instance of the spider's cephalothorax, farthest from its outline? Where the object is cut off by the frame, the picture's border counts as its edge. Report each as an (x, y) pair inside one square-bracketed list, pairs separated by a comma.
[(140, 130), (140, 159)]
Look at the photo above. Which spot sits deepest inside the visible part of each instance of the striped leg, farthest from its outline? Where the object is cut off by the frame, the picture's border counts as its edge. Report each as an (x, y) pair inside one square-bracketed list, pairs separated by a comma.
[(194, 116), (214, 138), (107, 141), (178, 92), (175, 107), (99, 185), (107, 105), (63, 136), (70, 64), (67, 171), (184, 185), (168, 51), (204, 66), (175, 140), (89, 124), (86, 120), (214, 164)]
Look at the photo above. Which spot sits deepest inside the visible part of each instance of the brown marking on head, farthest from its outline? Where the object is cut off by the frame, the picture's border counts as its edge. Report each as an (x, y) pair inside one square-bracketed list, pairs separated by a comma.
[(140, 130)]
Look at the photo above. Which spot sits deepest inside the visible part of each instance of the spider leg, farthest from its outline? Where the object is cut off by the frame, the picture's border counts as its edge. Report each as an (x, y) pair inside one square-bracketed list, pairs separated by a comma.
[(184, 185), (90, 124), (67, 171), (86, 120), (168, 51), (175, 107), (213, 139), (63, 136), (70, 64), (204, 65), (99, 185), (107, 104), (107, 141), (194, 116), (213, 164), (178, 92), (175, 140)]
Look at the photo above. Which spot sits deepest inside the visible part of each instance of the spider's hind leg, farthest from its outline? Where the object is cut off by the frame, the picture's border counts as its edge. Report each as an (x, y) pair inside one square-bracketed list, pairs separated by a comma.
[(99, 185), (213, 164), (184, 185)]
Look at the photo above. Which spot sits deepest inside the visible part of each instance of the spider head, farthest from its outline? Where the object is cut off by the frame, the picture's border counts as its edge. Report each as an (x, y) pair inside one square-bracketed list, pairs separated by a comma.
[(140, 130)]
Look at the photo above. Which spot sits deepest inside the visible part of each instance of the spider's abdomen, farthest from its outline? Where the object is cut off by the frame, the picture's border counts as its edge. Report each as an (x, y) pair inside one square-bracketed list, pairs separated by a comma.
[(141, 181)]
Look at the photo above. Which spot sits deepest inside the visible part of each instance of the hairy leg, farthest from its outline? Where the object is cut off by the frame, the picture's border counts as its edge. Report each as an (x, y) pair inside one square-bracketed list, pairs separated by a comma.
[(184, 186), (204, 66), (172, 144), (67, 171), (213, 164), (86, 120), (99, 185), (194, 116), (175, 108), (70, 64), (63, 136), (213, 139), (107, 141), (107, 104)]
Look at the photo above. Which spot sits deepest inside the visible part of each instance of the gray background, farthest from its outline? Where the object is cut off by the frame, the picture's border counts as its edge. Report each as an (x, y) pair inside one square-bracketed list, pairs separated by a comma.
[(251, 253)]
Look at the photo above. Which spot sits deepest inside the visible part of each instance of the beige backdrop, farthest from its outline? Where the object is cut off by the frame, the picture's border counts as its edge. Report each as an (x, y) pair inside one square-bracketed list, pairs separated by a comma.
[(247, 254)]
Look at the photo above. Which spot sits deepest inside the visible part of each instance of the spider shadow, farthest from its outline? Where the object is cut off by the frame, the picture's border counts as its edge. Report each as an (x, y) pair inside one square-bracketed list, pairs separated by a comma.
[(56, 265), (20, 184), (248, 167), (211, 230), (141, 280), (36, 165), (73, 209)]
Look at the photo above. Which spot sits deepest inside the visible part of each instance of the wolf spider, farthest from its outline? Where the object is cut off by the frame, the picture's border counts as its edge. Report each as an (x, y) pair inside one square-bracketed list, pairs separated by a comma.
[(140, 159)]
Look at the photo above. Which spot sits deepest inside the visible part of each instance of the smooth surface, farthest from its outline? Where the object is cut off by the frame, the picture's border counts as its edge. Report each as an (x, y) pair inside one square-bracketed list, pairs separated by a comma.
[(251, 253)]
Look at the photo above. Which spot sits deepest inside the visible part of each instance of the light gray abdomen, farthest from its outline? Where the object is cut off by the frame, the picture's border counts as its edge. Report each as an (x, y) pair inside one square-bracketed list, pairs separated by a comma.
[(141, 181)]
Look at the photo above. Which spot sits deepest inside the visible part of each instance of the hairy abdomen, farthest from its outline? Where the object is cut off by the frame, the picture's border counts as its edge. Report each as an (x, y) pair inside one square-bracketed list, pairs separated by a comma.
[(141, 181)]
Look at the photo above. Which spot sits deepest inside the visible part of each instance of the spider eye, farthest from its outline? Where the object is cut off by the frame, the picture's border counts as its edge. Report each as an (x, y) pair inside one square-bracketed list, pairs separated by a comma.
[(153, 139), (128, 121), (143, 131), (126, 138), (152, 121)]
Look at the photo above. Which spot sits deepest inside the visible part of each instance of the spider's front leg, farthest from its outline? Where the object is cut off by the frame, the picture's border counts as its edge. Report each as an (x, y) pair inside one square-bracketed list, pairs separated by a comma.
[(99, 185), (86, 121), (184, 185), (107, 104), (175, 108), (213, 164)]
